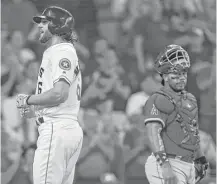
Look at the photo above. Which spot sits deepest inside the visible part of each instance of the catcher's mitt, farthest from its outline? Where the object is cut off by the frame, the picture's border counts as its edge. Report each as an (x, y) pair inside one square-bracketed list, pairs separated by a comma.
[(201, 166)]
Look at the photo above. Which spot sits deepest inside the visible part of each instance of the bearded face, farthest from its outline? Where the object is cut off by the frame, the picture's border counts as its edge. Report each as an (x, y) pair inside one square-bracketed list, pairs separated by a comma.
[(45, 34)]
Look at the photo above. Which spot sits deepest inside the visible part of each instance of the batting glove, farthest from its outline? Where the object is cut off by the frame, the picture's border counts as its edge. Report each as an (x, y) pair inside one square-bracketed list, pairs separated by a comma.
[(28, 112), (22, 101)]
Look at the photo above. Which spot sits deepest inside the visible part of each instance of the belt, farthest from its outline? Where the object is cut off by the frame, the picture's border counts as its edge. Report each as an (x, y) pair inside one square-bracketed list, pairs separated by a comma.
[(39, 121), (188, 159)]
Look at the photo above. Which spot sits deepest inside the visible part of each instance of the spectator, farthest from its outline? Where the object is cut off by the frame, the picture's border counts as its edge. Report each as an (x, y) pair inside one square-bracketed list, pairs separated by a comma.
[(117, 164), (100, 145), (136, 102), (24, 173), (12, 66), (17, 14), (206, 83), (152, 80), (108, 24), (11, 142), (150, 35), (86, 20), (105, 80), (136, 150)]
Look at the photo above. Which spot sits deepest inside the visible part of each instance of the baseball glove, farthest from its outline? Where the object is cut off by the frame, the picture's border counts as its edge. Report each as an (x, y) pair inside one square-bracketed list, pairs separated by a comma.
[(22, 101), (201, 166)]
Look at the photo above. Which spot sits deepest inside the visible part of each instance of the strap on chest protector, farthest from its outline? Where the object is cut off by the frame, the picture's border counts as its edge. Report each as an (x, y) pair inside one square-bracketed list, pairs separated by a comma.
[(177, 116)]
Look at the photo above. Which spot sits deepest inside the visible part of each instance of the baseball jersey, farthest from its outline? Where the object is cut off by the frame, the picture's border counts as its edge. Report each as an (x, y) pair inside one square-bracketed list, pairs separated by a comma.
[(179, 122), (59, 62)]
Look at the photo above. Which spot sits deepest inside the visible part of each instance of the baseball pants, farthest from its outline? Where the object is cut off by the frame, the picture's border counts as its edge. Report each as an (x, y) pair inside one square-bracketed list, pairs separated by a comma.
[(184, 171), (58, 148)]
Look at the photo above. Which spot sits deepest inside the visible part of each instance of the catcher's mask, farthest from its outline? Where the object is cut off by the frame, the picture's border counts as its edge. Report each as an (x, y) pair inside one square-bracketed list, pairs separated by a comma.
[(172, 60), (61, 21)]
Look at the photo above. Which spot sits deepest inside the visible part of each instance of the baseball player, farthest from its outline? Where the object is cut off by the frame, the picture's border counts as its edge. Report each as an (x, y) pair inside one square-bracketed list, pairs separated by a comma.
[(56, 102), (171, 119)]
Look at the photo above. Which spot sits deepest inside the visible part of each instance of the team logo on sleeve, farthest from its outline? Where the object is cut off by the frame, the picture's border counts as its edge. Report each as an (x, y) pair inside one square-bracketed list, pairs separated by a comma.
[(65, 64), (154, 110)]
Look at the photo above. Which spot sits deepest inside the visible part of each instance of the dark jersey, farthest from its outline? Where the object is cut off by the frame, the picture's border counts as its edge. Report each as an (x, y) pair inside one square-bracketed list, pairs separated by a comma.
[(178, 115)]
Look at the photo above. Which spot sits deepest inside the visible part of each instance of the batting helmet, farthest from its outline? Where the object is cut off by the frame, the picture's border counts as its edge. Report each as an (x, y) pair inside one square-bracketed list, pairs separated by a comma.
[(61, 21), (173, 59)]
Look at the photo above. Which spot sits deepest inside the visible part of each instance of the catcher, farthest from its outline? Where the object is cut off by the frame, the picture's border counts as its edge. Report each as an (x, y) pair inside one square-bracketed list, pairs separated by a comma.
[(171, 119)]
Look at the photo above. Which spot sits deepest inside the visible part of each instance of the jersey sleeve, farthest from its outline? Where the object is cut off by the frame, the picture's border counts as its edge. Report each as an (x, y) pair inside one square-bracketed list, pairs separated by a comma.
[(65, 66), (152, 113)]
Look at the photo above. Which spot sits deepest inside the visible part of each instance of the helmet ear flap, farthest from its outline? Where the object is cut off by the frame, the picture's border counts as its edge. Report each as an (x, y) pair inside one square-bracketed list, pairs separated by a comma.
[(66, 27), (52, 27)]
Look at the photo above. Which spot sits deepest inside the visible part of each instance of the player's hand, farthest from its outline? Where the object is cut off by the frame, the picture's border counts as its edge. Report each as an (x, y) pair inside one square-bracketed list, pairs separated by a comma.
[(22, 101), (168, 174), (28, 112), (201, 166)]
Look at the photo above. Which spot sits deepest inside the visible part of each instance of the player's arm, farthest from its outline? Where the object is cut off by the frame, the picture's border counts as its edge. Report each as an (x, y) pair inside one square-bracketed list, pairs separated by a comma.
[(55, 96), (138, 45), (154, 135), (64, 72), (156, 111)]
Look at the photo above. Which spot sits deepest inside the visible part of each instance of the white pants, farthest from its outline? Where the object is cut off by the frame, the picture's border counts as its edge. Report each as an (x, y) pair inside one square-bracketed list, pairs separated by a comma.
[(58, 148), (184, 171)]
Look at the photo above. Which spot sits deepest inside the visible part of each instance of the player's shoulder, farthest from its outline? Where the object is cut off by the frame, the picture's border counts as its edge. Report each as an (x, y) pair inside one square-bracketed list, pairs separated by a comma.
[(191, 96), (161, 102), (64, 53), (66, 48)]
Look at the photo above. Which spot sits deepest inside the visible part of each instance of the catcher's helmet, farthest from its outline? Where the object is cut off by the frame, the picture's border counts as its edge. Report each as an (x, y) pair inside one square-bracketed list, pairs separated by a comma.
[(61, 21), (173, 59)]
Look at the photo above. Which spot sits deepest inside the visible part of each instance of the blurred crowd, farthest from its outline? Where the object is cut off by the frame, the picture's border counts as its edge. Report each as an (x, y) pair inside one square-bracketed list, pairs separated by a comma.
[(118, 44)]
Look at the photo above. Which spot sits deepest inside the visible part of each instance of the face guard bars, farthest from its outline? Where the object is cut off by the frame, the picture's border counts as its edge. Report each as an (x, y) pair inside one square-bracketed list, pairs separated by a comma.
[(174, 59)]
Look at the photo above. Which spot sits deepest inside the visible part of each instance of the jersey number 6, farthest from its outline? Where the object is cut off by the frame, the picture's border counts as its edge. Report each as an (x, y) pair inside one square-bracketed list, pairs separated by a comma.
[(39, 87), (78, 92)]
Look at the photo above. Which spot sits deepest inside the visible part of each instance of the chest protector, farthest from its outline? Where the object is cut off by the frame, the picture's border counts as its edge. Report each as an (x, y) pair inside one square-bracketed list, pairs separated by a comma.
[(181, 126)]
